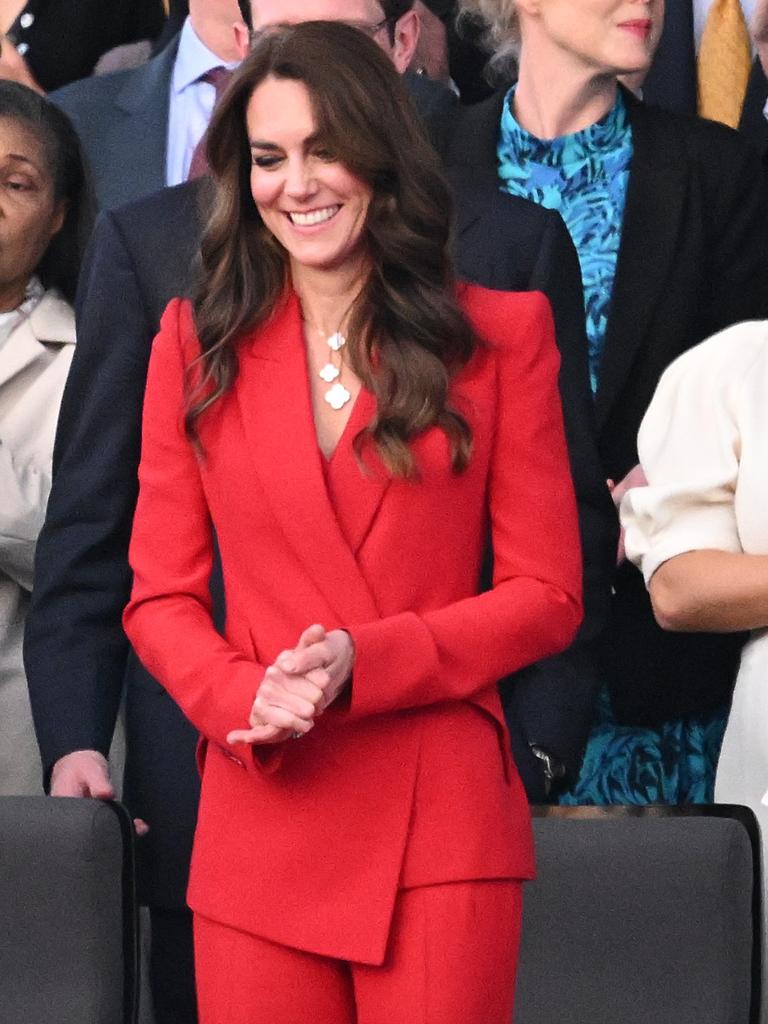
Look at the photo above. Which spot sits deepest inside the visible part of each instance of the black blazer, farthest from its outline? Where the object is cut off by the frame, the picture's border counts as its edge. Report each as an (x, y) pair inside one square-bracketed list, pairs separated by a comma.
[(62, 40), (693, 259), (510, 244)]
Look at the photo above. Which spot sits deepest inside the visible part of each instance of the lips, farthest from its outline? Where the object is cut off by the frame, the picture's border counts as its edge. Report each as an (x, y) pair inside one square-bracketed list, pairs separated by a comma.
[(640, 27), (310, 218)]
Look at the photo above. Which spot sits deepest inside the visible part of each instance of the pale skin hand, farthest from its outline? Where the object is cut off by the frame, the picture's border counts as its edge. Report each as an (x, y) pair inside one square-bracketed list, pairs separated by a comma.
[(85, 773), (299, 686), (634, 478)]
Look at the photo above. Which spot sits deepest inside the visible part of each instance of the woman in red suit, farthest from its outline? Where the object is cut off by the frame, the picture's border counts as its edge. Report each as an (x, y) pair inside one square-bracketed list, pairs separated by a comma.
[(351, 423)]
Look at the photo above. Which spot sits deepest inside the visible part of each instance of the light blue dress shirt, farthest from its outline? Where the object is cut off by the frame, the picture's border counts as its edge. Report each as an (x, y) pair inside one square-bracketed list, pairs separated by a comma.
[(191, 103)]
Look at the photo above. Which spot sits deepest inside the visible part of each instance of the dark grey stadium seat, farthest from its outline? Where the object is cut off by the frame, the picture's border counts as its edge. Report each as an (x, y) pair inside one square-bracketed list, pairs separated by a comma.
[(642, 916), (68, 939)]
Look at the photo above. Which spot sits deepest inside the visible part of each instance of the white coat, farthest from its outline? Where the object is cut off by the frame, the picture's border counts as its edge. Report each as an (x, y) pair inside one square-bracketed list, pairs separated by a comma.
[(34, 361)]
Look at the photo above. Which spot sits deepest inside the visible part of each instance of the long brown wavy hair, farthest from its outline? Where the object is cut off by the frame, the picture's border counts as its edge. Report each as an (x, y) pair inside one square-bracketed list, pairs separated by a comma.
[(406, 335)]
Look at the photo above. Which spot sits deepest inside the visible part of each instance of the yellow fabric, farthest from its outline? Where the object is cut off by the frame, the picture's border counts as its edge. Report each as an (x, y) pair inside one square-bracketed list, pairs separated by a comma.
[(725, 61)]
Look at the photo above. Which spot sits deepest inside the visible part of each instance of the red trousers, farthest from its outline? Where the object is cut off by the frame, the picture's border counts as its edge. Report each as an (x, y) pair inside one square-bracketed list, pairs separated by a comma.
[(451, 959)]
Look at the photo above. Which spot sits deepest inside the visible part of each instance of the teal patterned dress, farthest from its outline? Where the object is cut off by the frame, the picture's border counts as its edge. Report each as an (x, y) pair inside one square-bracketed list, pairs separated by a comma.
[(584, 176)]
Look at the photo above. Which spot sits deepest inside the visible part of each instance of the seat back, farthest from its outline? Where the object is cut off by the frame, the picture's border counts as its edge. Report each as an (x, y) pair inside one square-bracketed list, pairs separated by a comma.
[(641, 916), (68, 936)]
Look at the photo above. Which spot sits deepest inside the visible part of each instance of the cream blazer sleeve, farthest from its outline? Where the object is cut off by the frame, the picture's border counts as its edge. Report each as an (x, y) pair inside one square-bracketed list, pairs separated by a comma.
[(709, 403)]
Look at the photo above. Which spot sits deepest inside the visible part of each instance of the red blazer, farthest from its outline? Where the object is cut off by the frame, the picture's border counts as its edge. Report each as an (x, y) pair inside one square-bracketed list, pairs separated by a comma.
[(306, 843)]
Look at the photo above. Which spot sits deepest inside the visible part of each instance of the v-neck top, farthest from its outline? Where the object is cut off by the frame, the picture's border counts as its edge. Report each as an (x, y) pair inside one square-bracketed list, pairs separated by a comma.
[(584, 176)]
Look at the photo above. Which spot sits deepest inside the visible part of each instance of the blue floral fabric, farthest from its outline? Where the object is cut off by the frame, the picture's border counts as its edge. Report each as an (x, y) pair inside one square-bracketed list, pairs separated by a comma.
[(672, 764), (584, 177)]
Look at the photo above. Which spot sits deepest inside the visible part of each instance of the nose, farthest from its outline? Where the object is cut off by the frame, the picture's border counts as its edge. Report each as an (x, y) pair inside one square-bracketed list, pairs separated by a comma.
[(300, 182)]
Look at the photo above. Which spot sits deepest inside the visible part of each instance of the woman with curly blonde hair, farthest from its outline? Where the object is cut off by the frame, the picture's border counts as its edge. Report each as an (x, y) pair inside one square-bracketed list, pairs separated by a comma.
[(668, 216)]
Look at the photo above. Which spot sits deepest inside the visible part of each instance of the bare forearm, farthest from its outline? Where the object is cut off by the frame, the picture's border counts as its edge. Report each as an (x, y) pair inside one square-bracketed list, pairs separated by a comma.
[(711, 591)]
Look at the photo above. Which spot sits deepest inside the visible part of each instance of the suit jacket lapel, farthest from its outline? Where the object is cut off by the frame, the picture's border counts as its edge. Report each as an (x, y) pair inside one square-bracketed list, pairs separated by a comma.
[(141, 151), (475, 136), (50, 321), (273, 396), (358, 490), (648, 243)]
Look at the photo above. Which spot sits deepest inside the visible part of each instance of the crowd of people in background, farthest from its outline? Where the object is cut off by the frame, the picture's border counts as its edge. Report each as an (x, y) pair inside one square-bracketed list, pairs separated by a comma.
[(608, 154)]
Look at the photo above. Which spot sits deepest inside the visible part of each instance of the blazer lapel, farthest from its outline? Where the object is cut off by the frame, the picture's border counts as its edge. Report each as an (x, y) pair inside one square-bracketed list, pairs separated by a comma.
[(475, 136), (273, 396), (21, 350), (51, 321), (138, 140), (648, 243), (358, 489)]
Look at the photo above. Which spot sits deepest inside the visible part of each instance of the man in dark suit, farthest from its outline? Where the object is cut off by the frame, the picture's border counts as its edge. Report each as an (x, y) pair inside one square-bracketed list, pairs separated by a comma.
[(671, 81), (76, 652), (139, 127)]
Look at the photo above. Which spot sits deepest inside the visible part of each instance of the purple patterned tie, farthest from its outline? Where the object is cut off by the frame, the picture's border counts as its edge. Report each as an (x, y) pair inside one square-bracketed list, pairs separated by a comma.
[(219, 79)]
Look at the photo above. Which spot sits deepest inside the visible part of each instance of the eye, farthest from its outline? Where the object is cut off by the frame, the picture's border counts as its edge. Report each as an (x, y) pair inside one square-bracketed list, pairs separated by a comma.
[(325, 154), (266, 162), (18, 184)]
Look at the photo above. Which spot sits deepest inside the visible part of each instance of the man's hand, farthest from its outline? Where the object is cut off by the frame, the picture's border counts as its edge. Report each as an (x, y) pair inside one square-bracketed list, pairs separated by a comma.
[(85, 773)]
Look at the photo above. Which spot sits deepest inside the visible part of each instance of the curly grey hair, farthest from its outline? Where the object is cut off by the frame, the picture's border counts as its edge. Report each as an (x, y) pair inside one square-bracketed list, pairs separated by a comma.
[(502, 31)]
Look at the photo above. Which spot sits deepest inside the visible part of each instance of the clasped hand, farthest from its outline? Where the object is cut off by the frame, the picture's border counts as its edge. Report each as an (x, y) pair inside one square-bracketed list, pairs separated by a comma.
[(299, 686)]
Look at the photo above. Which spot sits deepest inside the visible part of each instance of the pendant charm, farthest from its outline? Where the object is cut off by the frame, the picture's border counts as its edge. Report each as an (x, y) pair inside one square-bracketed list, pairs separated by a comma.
[(329, 373), (337, 396), (336, 341)]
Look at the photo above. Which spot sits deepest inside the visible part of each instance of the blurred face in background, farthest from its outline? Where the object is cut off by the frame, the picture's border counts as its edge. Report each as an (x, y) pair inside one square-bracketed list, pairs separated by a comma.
[(599, 36), (367, 15), (29, 214)]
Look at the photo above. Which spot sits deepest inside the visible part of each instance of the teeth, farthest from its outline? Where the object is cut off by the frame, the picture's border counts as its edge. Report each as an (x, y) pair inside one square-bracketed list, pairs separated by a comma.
[(314, 216)]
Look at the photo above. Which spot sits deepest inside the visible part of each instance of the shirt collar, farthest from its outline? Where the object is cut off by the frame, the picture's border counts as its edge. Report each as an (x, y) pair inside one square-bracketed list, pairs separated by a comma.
[(193, 59)]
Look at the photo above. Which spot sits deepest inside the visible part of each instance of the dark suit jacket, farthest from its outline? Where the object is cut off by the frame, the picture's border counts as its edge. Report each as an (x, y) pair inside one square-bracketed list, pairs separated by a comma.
[(693, 259), (753, 123), (122, 121), (671, 81), (506, 243), (62, 40)]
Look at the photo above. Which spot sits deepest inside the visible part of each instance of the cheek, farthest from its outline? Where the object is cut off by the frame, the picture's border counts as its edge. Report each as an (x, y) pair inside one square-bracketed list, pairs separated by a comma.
[(264, 191)]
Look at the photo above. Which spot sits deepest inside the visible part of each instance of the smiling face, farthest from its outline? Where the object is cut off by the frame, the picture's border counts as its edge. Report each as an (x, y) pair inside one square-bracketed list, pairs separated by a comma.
[(312, 204), (603, 36), (29, 213)]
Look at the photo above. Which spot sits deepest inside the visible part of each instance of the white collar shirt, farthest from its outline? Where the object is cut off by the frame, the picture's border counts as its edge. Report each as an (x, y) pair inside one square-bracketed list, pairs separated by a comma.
[(191, 102)]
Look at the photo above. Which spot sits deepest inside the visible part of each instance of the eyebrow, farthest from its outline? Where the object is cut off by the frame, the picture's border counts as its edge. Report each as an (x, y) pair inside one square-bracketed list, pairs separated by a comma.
[(19, 158), (273, 147)]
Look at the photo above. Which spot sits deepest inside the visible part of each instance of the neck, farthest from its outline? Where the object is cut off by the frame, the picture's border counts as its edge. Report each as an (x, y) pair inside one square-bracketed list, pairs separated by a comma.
[(555, 98), (326, 296), (214, 27), (12, 296)]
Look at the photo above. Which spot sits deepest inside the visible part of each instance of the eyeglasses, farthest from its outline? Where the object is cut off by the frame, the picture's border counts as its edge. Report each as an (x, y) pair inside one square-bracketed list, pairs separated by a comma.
[(370, 28)]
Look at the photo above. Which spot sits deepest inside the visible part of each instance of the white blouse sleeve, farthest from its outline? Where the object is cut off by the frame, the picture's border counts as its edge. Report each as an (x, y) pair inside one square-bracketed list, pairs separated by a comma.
[(689, 446)]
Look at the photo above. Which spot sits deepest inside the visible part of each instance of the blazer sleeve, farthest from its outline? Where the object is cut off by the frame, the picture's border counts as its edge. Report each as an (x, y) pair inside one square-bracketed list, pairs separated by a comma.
[(171, 554), (410, 660), (690, 443), (75, 651)]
